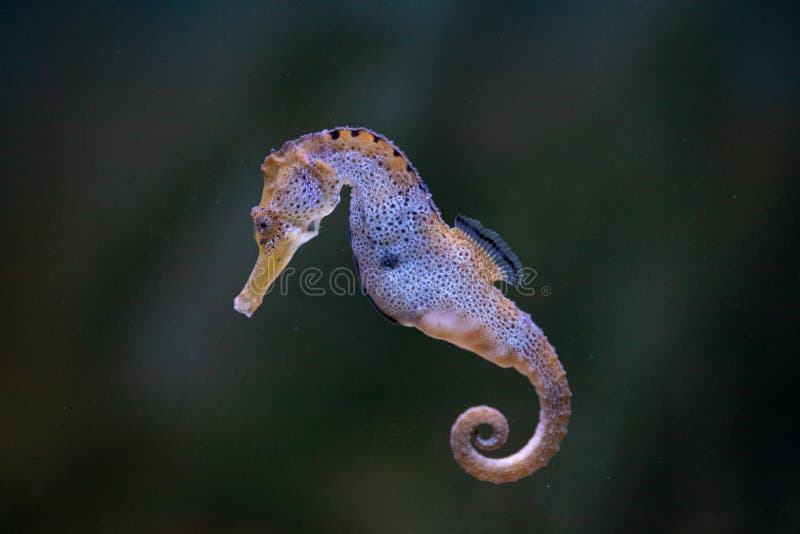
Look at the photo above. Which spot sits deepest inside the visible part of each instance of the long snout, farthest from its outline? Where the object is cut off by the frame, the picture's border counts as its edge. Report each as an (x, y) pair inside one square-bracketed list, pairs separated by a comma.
[(271, 262)]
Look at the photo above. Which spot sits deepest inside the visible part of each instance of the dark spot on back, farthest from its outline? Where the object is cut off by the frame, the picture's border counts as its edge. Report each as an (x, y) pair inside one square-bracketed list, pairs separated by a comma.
[(375, 138), (396, 153), (408, 167), (356, 132), (335, 134), (390, 261), (364, 290)]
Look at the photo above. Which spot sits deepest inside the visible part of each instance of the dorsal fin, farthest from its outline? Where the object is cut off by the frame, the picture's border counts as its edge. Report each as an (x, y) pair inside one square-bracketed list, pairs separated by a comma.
[(495, 247)]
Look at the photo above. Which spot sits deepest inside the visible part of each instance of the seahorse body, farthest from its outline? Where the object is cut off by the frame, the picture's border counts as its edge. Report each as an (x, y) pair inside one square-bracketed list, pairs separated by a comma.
[(418, 271)]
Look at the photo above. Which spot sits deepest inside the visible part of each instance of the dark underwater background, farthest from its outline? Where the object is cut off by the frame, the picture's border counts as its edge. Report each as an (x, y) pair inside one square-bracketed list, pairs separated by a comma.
[(641, 156)]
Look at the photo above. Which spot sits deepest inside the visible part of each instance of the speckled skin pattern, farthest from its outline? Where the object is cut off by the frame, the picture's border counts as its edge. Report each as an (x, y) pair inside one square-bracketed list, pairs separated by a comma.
[(417, 270)]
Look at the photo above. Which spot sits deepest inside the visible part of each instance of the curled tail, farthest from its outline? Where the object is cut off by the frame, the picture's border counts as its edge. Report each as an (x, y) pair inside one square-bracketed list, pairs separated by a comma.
[(547, 375)]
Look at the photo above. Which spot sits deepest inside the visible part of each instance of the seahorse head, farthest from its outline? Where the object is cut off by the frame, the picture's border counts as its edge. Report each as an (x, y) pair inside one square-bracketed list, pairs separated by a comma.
[(298, 193)]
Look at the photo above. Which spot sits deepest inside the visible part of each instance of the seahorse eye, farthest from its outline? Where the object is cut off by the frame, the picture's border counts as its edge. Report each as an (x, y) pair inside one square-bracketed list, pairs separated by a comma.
[(268, 227), (263, 224)]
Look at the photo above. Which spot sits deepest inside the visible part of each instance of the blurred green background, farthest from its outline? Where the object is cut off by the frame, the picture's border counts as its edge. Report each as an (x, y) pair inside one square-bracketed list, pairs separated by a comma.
[(639, 155)]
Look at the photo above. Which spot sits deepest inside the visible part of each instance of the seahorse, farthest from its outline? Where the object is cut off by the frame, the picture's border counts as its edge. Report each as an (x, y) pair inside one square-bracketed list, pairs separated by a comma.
[(417, 271)]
